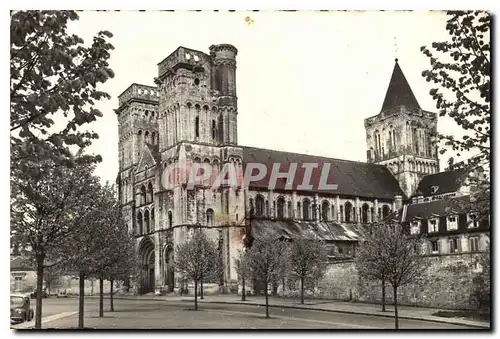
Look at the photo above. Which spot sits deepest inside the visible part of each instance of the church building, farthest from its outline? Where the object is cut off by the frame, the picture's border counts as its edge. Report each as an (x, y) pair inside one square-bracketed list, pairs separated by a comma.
[(191, 116)]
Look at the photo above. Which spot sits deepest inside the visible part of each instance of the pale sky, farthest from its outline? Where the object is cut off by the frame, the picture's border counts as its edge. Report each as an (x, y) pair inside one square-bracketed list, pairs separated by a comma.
[(305, 81)]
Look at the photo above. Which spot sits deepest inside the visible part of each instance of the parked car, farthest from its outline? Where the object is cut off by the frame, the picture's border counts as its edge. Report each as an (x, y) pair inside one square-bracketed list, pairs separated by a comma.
[(20, 309), (33, 294), (62, 294)]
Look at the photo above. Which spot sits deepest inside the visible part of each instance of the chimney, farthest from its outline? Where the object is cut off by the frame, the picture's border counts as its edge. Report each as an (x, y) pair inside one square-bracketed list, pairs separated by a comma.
[(398, 200)]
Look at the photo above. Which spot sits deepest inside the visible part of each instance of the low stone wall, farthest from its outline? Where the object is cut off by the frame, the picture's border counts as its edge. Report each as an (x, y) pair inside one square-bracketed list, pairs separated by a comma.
[(448, 283)]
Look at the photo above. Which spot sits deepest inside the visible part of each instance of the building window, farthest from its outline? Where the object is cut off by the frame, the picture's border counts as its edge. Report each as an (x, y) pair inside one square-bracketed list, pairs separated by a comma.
[(348, 211), (18, 281), (305, 209), (434, 246), (213, 130), (433, 225), (325, 209), (474, 244), (197, 126), (210, 217), (364, 213), (415, 227), (139, 223), (259, 205), (472, 220), (170, 219), (454, 247), (386, 210), (452, 223), (281, 208)]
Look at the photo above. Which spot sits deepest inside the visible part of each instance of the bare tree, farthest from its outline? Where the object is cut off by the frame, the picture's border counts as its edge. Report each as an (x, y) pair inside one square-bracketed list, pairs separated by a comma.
[(243, 271), (308, 261), (388, 251), (195, 258), (265, 260)]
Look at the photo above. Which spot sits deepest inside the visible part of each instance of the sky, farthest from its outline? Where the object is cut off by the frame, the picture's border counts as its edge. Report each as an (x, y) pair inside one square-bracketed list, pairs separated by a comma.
[(305, 80)]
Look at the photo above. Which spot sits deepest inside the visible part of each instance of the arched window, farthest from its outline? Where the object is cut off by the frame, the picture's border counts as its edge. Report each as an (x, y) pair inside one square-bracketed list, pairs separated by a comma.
[(146, 137), (152, 220), (290, 210), (325, 210), (385, 211), (170, 219), (143, 195), (364, 213), (214, 129), (150, 193), (210, 217), (146, 221), (197, 126), (314, 210), (348, 211), (305, 209), (259, 205), (281, 208), (139, 223)]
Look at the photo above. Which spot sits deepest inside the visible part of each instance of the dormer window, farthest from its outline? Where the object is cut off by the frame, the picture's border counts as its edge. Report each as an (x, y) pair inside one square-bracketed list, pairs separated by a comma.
[(433, 225), (452, 223), (415, 227), (472, 220)]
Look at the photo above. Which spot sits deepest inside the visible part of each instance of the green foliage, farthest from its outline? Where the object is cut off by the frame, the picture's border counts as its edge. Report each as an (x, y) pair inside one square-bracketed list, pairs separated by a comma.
[(53, 75), (482, 281)]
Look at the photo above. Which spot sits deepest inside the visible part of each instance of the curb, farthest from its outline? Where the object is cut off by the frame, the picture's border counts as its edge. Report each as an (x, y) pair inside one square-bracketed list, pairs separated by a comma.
[(479, 326)]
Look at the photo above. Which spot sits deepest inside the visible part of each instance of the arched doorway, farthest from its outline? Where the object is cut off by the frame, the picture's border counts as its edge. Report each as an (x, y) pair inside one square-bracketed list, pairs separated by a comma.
[(169, 268), (147, 258)]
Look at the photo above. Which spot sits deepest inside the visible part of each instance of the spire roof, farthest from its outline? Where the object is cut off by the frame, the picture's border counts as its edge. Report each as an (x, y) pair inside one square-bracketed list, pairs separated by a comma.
[(399, 91)]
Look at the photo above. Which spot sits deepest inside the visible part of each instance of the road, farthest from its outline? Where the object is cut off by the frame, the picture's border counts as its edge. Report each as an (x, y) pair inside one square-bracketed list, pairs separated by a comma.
[(156, 314)]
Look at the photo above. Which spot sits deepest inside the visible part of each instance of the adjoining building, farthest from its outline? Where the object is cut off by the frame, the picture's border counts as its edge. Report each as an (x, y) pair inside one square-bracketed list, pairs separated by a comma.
[(190, 117)]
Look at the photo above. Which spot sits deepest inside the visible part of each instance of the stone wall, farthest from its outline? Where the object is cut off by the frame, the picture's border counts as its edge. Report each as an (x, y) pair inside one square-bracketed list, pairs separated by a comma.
[(446, 284)]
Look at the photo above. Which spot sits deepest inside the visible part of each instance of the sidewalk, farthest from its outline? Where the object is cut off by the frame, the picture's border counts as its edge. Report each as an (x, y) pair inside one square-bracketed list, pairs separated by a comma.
[(405, 312)]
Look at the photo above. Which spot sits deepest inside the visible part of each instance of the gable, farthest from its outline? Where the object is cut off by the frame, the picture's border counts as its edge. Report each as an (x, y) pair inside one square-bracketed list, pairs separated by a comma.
[(442, 183)]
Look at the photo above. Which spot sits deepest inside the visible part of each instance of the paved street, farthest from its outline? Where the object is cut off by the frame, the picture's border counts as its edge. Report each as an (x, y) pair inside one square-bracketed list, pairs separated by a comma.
[(161, 314)]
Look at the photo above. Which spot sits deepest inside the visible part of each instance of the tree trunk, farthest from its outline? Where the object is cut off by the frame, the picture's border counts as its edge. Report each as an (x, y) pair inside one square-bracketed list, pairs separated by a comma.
[(201, 288), (267, 300), (111, 306), (283, 283), (396, 307), (81, 283), (302, 290), (101, 297), (196, 295), (383, 295), (243, 291), (39, 287)]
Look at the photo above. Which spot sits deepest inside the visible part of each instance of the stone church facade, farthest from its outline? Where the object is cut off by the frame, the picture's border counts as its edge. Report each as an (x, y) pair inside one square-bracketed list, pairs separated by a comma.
[(190, 116)]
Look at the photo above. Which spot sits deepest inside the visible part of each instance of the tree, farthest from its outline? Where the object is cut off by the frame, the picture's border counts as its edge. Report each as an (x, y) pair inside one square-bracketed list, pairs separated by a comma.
[(482, 292), (243, 271), (53, 75), (372, 260), (46, 199), (461, 69), (308, 261), (265, 260), (195, 258), (389, 252)]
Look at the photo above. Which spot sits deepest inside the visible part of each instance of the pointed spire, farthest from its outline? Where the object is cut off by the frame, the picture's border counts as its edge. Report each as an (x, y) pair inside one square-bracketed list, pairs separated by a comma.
[(399, 91)]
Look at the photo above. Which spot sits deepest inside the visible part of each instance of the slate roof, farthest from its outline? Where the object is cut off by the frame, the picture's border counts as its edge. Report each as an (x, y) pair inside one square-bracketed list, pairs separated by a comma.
[(442, 207), (353, 178), (443, 182), (325, 230), (399, 91)]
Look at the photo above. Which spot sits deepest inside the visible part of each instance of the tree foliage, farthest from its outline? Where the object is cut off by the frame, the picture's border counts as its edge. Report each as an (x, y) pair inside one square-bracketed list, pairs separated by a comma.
[(389, 252), (308, 262), (197, 258), (266, 260), (482, 281), (54, 77)]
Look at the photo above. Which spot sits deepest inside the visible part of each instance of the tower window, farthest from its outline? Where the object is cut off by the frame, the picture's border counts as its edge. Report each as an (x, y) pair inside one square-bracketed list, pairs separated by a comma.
[(197, 126), (213, 129), (196, 82)]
